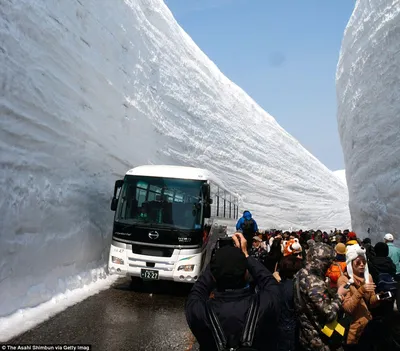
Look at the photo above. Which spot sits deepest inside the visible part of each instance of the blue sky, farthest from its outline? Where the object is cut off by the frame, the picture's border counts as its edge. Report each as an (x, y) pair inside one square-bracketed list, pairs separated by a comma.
[(283, 53)]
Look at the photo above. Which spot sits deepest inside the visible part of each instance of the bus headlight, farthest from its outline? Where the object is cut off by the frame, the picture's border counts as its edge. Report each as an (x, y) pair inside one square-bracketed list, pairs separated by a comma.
[(117, 260), (186, 268)]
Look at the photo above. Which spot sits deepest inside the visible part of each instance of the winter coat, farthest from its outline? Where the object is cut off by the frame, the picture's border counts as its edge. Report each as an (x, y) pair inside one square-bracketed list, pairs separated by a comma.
[(369, 251), (274, 255), (231, 308), (357, 304), (394, 254), (381, 265), (288, 325), (320, 306), (246, 216), (258, 253)]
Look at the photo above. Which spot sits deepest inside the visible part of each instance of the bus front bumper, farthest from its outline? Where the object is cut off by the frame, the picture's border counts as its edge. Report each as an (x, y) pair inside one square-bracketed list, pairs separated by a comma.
[(184, 277)]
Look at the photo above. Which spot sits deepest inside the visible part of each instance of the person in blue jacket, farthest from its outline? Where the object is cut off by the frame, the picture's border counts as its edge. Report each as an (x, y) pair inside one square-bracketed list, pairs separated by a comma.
[(248, 226)]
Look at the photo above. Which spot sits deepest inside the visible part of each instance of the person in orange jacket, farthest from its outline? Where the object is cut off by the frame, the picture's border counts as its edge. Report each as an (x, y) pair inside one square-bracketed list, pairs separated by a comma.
[(338, 267)]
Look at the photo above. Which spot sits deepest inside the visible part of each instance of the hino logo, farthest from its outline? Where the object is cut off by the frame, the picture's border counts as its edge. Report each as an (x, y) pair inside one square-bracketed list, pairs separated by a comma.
[(154, 235)]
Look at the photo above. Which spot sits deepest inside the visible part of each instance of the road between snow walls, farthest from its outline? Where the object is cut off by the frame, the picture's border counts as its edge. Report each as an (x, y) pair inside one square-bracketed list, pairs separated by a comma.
[(91, 89)]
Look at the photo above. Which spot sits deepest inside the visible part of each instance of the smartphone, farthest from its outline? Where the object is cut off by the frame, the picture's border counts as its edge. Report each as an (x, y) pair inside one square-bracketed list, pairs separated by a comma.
[(384, 295)]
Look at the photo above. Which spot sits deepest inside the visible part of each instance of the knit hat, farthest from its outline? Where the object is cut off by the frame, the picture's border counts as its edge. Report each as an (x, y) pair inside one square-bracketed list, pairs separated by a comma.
[(381, 250), (340, 249), (352, 236), (352, 253), (228, 266)]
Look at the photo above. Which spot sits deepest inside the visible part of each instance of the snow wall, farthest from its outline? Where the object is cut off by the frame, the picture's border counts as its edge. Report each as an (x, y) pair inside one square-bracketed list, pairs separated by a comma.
[(90, 89), (368, 91)]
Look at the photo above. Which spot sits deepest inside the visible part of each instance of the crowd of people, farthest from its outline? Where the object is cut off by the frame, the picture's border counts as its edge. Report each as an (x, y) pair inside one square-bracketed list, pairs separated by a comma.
[(311, 290)]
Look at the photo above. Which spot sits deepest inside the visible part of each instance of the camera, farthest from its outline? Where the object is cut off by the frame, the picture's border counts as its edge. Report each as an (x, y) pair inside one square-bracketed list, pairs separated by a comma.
[(347, 286), (225, 241)]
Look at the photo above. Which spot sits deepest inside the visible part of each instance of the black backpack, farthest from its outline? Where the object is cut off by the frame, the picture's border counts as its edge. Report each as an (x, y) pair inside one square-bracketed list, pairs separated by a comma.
[(248, 227), (386, 283), (246, 340)]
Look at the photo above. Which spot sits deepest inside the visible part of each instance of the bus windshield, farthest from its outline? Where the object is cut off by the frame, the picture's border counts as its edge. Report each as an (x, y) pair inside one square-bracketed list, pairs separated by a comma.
[(160, 201)]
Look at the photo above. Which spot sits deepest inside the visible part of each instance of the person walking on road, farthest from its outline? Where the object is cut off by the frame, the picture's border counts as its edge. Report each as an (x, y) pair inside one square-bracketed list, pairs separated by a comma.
[(248, 226)]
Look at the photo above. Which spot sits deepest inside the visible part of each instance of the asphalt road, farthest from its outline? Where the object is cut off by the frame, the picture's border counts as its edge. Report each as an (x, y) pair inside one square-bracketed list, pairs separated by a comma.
[(127, 316)]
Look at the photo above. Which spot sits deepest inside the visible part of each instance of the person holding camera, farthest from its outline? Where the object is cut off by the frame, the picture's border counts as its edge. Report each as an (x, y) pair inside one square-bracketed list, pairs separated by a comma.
[(233, 301)]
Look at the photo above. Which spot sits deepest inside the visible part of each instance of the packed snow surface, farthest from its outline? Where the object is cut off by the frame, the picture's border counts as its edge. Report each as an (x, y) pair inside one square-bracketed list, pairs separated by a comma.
[(368, 90), (27, 318), (341, 174), (90, 89)]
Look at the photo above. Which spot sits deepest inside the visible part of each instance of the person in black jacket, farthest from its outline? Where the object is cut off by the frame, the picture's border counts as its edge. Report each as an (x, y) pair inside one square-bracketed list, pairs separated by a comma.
[(370, 251), (227, 274), (381, 263), (288, 325)]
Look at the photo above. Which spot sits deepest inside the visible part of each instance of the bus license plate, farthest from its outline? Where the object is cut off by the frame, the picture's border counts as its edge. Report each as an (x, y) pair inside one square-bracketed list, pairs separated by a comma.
[(149, 274)]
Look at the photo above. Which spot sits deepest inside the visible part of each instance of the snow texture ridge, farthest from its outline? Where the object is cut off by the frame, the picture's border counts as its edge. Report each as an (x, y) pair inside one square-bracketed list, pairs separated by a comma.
[(90, 89), (368, 91)]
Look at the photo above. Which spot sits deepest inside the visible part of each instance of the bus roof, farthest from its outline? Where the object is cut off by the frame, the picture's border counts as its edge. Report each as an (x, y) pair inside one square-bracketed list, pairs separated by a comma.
[(179, 172)]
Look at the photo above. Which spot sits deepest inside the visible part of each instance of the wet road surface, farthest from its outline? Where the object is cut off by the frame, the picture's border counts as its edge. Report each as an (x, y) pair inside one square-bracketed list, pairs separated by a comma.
[(128, 316)]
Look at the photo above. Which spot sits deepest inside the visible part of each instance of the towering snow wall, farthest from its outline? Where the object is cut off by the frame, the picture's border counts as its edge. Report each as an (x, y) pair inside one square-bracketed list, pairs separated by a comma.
[(90, 89), (368, 90)]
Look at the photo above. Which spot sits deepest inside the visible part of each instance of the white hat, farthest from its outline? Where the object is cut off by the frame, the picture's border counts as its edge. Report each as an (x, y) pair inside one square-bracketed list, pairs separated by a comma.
[(388, 237), (353, 251)]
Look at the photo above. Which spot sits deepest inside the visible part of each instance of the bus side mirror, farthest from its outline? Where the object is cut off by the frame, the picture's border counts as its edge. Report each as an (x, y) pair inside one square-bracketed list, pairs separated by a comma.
[(118, 184), (206, 192), (114, 204), (207, 211), (114, 201)]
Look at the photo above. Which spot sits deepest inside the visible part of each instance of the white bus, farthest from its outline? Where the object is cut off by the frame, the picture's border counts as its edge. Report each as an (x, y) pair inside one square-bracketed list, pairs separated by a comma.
[(167, 221)]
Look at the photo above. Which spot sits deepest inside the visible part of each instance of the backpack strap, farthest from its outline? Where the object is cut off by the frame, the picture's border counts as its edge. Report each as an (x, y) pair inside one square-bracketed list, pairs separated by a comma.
[(218, 333), (251, 322), (249, 327)]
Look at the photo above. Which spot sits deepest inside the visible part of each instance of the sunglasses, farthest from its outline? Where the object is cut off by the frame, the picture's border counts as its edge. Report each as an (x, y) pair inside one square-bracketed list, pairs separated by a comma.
[(359, 262)]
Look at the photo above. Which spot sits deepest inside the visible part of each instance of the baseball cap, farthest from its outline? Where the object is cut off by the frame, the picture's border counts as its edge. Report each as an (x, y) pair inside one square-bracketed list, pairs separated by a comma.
[(388, 237), (257, 238), (228, 266)]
